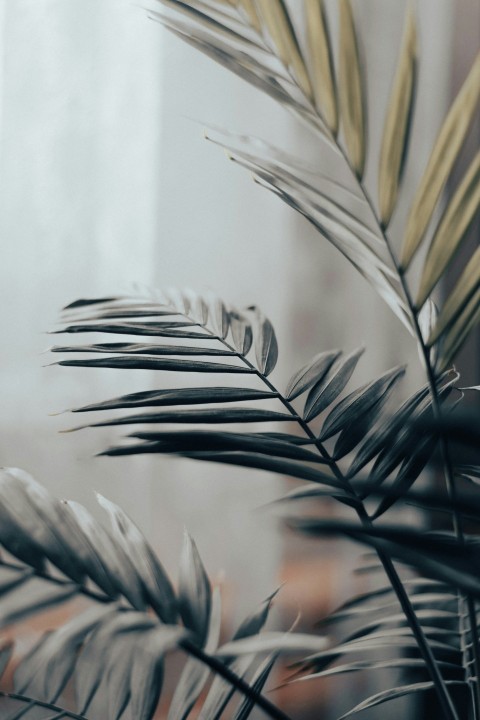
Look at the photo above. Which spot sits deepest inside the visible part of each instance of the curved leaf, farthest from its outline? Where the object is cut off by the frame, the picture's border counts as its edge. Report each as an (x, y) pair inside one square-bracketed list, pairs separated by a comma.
[(350, 89), (328, 389), (194, 592), (266, 347), (195, 674), (451, 229), (277, 20), (387, 431), (311, 373), (241, 331), (442, 158), (321, 63), (156, 584), (393, 693), (467, 284), (397, 122)]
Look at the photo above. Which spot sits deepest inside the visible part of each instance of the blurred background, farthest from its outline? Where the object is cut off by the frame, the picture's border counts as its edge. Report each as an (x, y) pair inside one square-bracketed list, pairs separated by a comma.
[(107, 186)]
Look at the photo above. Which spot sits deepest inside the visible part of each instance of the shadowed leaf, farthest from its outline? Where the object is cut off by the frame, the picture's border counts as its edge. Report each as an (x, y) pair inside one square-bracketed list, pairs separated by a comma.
[(330, 387)]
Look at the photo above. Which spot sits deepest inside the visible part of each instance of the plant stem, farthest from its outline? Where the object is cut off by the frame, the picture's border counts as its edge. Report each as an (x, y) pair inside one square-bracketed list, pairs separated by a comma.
[(387, 563), (221, 669), (60, 713)]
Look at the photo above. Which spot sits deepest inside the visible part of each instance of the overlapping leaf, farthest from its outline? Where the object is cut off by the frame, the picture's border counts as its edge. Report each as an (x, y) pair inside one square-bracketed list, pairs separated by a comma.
[(112, 648)]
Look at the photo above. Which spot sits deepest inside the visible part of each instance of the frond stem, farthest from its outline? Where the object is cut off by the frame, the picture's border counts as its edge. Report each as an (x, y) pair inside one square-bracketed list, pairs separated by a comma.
[(224, 671), (386, 561)]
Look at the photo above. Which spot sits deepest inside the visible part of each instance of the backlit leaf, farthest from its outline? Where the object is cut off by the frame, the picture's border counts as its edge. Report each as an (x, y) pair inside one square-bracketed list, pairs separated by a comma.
[(442, 158), (350, 89), (397, 122), (321, 64), (467, 284), (277, 20), (451, 229)]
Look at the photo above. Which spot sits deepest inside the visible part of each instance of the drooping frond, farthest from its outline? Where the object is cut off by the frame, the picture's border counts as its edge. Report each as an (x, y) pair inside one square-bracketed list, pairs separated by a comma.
[(266, 49), (116, 647)]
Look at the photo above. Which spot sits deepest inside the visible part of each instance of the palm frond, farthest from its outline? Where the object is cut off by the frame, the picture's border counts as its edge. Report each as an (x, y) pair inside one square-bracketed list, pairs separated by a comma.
[(118, 645), (340, 101)]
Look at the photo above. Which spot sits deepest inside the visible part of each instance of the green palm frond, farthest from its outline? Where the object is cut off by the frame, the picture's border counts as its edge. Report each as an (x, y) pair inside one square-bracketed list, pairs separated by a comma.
[(118, 645), (303, 79)]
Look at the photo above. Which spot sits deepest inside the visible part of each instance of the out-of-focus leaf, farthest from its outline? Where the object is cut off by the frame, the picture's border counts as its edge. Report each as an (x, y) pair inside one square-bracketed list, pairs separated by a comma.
[(397, 122), (308, 491), (244, 66), (205, 440), (241, 331), (257, 683), (350, 90), (250, 10), (396, 692), (31, 524), (442, 158), (438, 557), (221, 691), (266, 347), (472, 472), (117, 565), (284, 173), (355, 405), (268, 642), (153, 363), (466, 286), (214, 415), (156, 584), (458, 334), (195, 674), (277, 20), (147, 671), (97, 650), (209, 23), (328, 389), (194, 592), (451, 229), (321, 63), (263, 462), (45, 672), (36, 597), (180, 396), (359, 665), (86, 302), (220, 316), (311, 373), (6, 650)]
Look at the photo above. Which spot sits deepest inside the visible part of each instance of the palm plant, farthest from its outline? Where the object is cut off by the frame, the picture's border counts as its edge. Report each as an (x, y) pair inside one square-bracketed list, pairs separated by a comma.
[(360, 447)]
